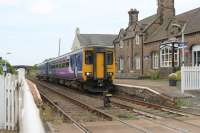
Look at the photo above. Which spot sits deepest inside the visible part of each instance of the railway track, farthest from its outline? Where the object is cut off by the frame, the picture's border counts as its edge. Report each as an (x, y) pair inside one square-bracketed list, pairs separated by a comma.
[(108, 114), (79, 126), (155, 106), (73, 105), (137, 109), (153, 109)]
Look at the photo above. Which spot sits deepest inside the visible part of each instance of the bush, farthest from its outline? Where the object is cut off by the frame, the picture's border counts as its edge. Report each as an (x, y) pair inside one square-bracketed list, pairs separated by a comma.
[(1, 71), (172, 76), (154, 74), (178, 74)]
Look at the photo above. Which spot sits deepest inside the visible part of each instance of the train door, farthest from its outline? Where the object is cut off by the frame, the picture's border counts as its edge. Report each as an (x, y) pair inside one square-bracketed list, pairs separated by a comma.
[(100, 65), (76, 66)]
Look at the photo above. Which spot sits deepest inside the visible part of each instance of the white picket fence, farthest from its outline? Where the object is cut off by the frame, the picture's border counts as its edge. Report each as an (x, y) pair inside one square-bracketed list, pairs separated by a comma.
[(190, 78), (8, 102)]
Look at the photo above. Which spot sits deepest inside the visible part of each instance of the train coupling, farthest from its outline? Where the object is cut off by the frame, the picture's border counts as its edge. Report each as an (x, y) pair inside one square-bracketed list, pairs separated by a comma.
[(100, 83)]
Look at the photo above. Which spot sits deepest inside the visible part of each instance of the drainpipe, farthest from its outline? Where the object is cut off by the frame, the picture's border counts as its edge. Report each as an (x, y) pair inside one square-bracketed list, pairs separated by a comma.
[(142, 54)]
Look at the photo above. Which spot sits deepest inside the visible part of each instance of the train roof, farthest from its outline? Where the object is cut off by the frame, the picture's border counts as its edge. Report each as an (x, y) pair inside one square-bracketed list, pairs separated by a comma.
[(66, 56)]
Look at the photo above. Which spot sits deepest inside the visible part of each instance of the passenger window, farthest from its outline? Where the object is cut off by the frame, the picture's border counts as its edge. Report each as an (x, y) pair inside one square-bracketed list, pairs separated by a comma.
[(89, 57), (63, 65), (109, 58)]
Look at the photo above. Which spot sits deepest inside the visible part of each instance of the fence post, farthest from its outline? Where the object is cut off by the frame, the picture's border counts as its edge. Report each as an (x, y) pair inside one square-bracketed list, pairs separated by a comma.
[(2, 100), (182, 79)]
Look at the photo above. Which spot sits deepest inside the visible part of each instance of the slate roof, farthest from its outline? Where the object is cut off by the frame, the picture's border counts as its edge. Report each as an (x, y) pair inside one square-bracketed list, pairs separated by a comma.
[(148, 19), (142, 23), (192, 18), (96, 39)]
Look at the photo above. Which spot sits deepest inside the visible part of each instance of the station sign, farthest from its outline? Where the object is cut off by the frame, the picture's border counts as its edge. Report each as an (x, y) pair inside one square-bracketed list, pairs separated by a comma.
[(182, 45), (4, 68)]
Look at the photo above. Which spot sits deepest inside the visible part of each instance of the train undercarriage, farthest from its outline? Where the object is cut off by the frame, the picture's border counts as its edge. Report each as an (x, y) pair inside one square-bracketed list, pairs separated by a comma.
[(93, 86)]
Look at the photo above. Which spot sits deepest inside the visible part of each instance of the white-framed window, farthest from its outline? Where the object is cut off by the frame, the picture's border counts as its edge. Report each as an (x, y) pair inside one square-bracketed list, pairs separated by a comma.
[(129, 63), (155, 60), (121, 64), (137, 39), (196, 55), (137, 62), (166, 56), (121, 44)]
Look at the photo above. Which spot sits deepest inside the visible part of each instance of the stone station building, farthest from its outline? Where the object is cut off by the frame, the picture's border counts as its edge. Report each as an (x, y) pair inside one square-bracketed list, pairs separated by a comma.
[(154, 43)]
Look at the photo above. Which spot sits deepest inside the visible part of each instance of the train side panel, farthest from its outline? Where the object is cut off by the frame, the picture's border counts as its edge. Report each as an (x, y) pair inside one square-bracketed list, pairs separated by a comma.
[(76, 62)]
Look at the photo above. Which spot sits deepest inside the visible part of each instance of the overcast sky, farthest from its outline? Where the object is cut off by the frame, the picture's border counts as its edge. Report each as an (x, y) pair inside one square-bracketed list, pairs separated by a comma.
[(30, 29)]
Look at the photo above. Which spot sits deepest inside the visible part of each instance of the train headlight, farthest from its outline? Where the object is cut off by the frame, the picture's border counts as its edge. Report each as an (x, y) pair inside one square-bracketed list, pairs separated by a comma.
[(110, 74), (88, 74)]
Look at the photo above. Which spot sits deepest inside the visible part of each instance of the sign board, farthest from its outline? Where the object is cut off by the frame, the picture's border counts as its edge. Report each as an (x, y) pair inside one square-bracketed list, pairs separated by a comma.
[(5, 68), (182, 45)]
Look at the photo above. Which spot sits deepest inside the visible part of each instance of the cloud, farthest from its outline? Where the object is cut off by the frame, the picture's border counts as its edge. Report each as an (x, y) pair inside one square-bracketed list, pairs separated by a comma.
[(43, 7), (8, 2)]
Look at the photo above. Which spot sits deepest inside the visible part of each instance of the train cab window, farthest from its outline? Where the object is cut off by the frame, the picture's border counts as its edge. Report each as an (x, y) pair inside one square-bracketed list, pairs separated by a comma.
[(89, 57), (109, 58)]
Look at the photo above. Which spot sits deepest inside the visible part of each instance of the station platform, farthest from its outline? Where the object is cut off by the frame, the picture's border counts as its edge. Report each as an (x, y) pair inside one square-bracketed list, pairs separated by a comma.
[(156, 86)]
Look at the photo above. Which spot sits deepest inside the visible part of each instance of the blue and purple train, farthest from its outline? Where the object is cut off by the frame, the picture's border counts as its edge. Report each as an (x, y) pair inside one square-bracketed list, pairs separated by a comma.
[(90, 68)]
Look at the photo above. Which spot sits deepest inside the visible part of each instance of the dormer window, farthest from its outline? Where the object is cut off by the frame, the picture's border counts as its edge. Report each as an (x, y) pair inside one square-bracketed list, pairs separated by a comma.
[(137, 39)]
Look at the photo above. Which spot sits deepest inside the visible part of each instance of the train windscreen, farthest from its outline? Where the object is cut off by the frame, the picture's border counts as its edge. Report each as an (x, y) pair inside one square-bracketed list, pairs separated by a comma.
[(89, 57)]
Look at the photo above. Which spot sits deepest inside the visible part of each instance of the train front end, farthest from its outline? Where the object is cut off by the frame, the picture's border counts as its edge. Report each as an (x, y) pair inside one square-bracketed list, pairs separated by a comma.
[(98, 69)]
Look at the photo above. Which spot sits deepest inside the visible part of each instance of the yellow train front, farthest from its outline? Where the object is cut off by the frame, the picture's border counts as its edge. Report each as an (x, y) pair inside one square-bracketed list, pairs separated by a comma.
[(98, 69)]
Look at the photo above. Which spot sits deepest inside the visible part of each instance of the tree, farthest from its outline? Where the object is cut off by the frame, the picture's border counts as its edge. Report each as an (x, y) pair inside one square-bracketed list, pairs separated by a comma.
[(10, 67)]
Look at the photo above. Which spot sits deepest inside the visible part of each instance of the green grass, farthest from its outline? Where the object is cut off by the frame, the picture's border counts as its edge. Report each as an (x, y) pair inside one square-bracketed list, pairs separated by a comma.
[(182, 102), (50, 115), (127, 116)]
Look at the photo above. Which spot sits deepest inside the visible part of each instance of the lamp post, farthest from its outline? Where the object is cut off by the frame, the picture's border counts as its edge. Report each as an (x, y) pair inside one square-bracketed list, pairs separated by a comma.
[(182, 40)]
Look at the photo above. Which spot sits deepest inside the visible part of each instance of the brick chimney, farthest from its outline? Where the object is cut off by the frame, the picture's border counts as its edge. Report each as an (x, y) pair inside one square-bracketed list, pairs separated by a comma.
[(166, 9), (133, 16)]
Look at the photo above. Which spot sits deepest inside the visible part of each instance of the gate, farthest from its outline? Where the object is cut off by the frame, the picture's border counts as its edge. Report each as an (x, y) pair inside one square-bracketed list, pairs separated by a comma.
[(190, 78), (8, 102)]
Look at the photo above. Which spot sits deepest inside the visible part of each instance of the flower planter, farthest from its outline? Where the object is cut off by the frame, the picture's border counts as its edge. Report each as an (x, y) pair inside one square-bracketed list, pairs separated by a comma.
[(172, 82)]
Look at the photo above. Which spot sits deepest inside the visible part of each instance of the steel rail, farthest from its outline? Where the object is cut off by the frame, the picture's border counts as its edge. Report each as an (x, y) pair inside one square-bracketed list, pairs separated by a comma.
[(154, 106), (81, 104), (77, 124), (149, 116), (96, 111), (162, 108)]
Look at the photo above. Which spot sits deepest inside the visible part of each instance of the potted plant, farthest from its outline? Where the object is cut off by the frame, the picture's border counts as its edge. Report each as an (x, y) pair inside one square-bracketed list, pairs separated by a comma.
[(172, 79)]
